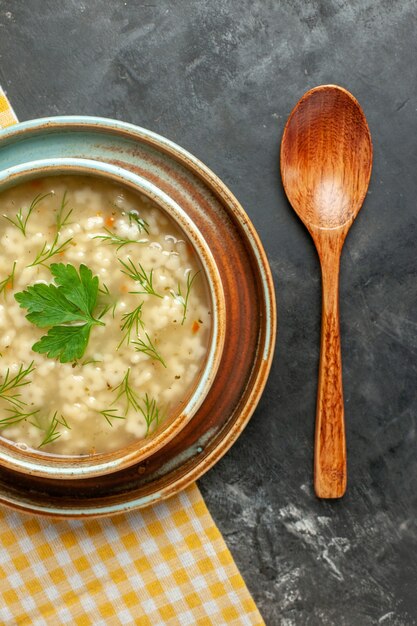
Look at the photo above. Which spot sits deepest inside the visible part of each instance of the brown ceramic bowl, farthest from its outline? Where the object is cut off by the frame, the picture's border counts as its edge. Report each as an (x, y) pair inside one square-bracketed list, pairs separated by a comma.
[(35, 462), (250, 316)]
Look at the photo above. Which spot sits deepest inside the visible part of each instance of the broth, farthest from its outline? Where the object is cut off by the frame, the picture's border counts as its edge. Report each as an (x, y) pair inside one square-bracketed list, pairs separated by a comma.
[(151, 330)]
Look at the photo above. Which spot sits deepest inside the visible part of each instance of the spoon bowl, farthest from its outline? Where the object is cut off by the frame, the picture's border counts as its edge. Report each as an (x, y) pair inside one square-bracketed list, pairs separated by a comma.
[(326, 163), (326, 158)]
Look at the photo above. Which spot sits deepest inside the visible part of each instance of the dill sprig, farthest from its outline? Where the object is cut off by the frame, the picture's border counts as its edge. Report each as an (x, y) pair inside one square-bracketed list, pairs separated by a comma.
[(52, 433), (104, 291), (147, 347), (112, 414), (116, 240), (131, 322), (8, 282), (21, 220), (181, 298), (10, 383), (140, 276), (91, 361), (62, 220), (125, 390), (151, 413), (48, 251), (147, 407), (16, 415), (138, 221)]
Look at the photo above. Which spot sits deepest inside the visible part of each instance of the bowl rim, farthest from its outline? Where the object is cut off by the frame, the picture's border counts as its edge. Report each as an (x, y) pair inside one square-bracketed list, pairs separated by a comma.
[(49, 465)]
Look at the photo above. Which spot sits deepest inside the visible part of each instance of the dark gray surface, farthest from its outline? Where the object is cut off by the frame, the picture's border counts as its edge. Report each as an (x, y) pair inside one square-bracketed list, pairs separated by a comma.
[(220, 78)]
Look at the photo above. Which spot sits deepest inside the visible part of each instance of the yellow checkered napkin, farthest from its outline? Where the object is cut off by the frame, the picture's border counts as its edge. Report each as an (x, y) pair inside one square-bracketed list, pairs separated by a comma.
[(7, 115), (164, 565)]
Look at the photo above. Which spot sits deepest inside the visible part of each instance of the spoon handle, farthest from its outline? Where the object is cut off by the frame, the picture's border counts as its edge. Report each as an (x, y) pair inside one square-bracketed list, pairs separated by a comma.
[(330, 442)]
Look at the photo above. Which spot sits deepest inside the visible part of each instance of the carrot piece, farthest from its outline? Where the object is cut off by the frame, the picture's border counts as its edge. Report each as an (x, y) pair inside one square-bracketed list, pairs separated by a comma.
[(196, 327)]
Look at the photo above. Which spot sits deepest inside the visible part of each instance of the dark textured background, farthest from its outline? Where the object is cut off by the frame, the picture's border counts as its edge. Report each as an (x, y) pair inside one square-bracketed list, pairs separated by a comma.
[(220, 78)]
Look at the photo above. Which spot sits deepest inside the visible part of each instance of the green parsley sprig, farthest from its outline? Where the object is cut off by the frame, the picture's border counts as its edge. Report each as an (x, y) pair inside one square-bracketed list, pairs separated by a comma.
[(67, 307)]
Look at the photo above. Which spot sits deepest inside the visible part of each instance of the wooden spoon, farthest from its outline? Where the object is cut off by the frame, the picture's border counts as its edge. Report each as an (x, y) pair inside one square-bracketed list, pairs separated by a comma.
[(326, 162)]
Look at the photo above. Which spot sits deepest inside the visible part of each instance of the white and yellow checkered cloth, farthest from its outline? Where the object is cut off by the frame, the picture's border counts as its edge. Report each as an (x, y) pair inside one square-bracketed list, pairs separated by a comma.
[(7, 115), (164, 565)]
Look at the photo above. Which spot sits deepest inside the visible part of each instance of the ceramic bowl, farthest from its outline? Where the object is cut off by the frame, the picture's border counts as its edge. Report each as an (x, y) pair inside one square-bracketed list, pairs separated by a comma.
[(30, 461), (250, 316)]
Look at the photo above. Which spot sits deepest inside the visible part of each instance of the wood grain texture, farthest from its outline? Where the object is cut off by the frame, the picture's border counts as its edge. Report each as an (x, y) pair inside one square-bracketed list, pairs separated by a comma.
[(326, 162), (330, 474)]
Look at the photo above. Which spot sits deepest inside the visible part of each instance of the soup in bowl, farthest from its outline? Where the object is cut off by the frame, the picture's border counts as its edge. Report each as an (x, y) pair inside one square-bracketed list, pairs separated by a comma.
[(112, 318)]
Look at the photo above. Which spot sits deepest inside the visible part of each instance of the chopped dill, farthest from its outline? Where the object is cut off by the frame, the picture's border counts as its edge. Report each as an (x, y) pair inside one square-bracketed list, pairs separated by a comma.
[(125, 390), (147, 347), (183, 299), (112, 414), (48, 251), (116, 240), (151, 413), (138, 221), (140, 276), (52, 433), (104, 291), (10, 383), (131, 322), (91, 361), (8, 282), (21, 220), (16, 415), (62, 220), (146, 406)]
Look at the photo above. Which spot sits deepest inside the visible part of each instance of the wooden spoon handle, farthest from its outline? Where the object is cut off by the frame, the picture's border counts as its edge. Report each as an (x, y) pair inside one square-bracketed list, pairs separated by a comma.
[(330, 441)]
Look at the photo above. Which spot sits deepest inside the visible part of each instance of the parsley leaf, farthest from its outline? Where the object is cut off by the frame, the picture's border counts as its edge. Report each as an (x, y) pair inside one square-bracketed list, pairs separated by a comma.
[(68, 343), (48, 305), (81, 290), (67, 306)]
